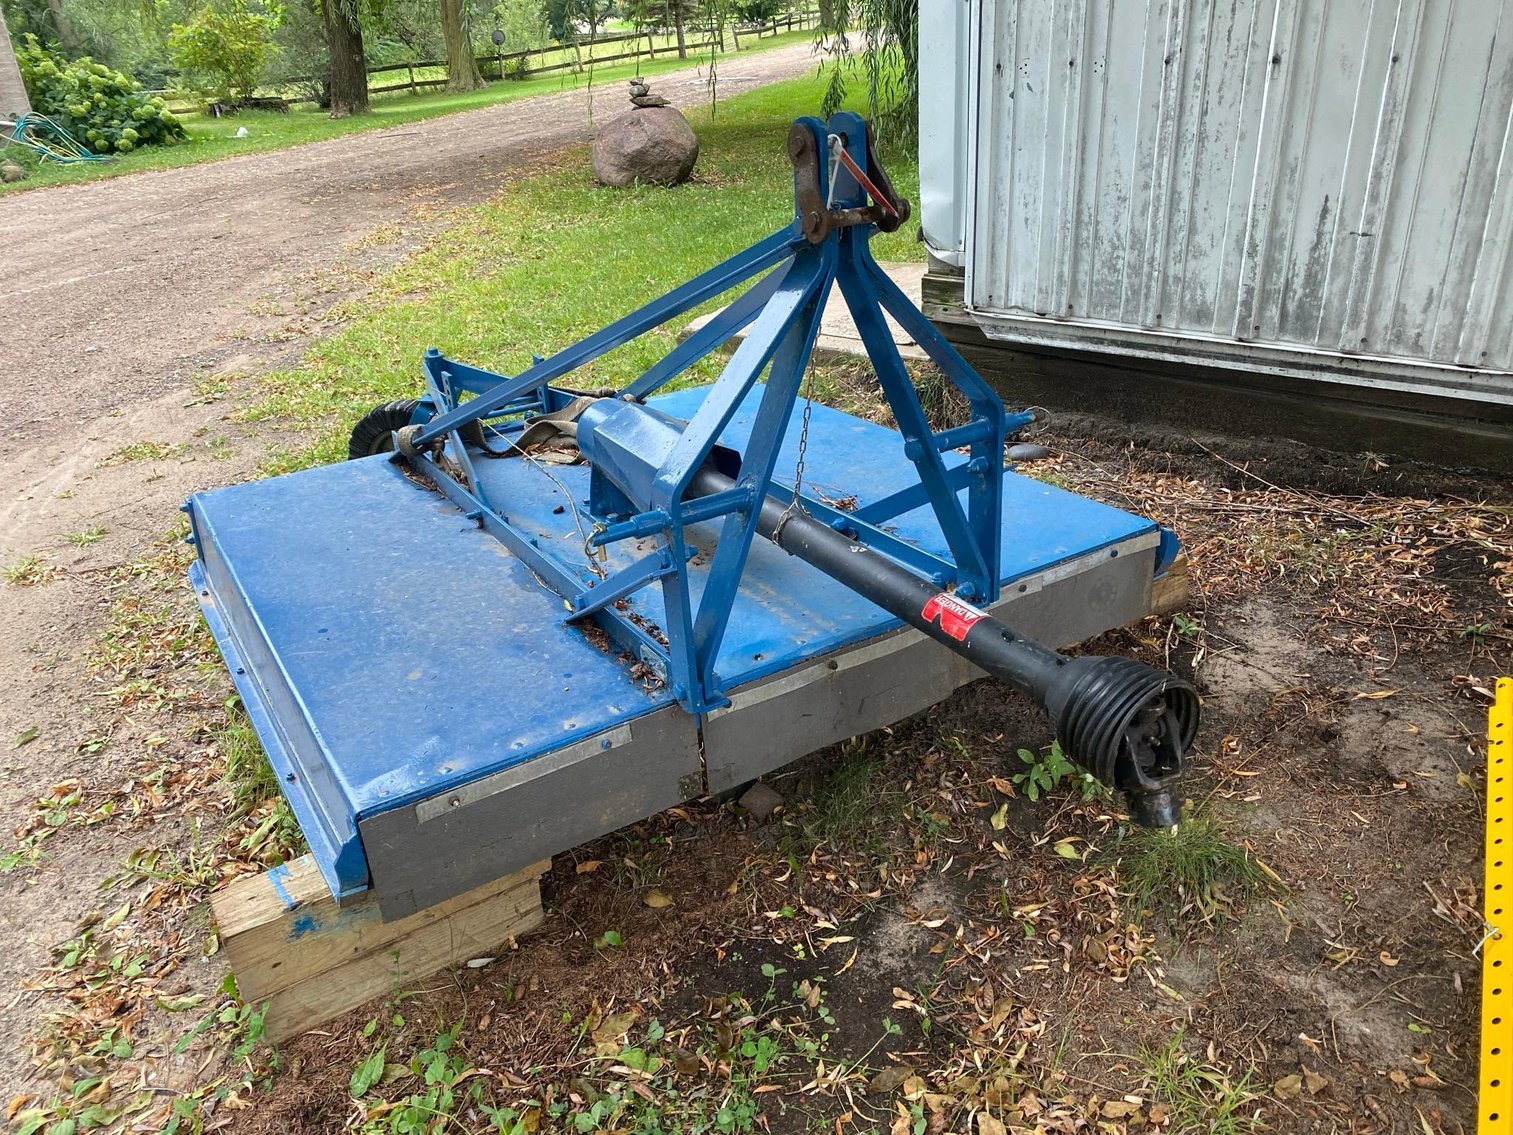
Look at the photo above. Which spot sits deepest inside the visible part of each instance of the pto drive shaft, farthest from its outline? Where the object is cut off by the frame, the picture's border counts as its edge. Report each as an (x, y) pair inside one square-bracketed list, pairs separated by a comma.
[(1127, 723)]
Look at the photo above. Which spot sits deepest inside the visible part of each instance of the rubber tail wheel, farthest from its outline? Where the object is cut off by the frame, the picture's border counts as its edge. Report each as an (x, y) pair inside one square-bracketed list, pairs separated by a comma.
[(374, 432)]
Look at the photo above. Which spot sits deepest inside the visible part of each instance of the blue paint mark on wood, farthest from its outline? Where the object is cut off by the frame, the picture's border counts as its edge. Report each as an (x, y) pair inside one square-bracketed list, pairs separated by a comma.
[(304, 924), (278, 876)]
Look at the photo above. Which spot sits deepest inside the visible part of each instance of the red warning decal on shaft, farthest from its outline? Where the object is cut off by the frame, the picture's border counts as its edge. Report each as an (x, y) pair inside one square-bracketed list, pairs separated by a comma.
[(956, 618)]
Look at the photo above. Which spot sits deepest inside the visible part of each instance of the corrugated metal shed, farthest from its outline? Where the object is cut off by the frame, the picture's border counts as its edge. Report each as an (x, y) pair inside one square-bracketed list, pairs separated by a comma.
[(1300, 186)]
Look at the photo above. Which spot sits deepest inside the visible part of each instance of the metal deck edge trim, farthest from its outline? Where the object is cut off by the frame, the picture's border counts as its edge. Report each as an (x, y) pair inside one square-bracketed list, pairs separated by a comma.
[(494, 783), (274, 744)]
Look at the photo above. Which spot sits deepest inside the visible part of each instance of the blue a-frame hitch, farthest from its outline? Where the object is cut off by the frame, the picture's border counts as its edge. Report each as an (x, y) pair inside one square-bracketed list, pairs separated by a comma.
[(654, 477), (825, 246)]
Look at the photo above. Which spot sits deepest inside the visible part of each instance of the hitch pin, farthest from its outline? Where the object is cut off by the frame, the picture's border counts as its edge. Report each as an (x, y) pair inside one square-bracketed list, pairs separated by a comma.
[(839, 157)]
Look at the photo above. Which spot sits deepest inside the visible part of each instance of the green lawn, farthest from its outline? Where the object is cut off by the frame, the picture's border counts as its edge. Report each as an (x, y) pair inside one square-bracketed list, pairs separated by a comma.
[(213, 138), (555, 257)]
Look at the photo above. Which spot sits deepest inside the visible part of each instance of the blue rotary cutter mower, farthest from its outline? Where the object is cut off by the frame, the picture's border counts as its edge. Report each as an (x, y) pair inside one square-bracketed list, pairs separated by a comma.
[(530, 613)]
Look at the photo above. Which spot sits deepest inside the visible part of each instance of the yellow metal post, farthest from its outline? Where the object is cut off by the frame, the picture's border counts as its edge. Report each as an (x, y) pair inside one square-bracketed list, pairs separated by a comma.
[(1495, 1109)]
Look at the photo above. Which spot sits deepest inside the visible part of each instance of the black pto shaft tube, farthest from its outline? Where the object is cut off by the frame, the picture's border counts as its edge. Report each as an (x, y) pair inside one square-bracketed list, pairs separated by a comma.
[(1125, 722)]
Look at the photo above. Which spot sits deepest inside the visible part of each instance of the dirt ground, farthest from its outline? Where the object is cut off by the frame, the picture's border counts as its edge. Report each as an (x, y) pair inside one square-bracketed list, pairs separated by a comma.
[(137, 309), (927, 949)]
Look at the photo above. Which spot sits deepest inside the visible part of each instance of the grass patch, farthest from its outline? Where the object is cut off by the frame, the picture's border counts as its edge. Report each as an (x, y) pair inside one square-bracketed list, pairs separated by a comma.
[(553, 258), (1198, 1097), (213, 138), (31, 570), (143, 451), (1190, 876), (851, 806), (255, 790), (91, 535), (721, 1071)]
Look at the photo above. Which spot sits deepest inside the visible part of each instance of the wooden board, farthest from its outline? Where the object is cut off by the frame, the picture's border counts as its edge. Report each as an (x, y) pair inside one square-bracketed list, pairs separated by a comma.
[(1171, 593), (290, 944)]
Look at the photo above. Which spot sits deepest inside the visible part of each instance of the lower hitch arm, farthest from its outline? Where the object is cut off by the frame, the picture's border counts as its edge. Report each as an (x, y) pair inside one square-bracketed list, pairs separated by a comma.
[(1127, 723)]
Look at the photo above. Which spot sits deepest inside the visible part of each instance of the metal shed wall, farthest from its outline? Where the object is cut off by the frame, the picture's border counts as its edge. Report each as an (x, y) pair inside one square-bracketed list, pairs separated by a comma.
[(1299, 186)]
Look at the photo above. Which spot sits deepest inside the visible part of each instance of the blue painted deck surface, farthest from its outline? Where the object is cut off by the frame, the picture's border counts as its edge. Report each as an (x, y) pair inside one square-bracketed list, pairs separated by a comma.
[(399, 652)]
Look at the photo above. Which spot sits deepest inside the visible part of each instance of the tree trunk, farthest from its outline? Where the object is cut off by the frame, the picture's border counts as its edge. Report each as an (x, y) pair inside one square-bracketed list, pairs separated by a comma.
[(67, 37), (677, 23), (462, 67), (349, 74), (13, 101)]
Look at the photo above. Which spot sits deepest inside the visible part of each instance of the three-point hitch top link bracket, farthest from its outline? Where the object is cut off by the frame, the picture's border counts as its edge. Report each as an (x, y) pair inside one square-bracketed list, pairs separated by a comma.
[(652, 477)]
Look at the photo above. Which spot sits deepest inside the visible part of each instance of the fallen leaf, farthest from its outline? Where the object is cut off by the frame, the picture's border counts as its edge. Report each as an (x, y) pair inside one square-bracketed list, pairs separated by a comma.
[(1119, 1109), (180, 1004), (614, 1027), (479, 963), (1288, 1087), (588, 866), (1387, 959), (889, 1079), (1001, 1010), (1314, 1082), (28, 737), (1000, 818), (1065, 849), (1374, 695), (657, 899), (987, 1125)]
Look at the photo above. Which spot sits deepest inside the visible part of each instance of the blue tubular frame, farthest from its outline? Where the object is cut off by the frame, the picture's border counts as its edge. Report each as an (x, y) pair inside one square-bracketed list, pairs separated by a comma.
[(640, 487)]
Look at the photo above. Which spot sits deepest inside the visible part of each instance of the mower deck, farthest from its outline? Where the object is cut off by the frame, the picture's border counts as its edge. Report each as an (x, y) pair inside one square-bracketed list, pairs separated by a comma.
[(435, 724)]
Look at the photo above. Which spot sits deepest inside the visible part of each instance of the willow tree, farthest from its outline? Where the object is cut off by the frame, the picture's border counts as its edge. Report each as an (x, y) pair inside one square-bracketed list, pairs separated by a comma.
[(462, 65), (349, 71), (880, 38)]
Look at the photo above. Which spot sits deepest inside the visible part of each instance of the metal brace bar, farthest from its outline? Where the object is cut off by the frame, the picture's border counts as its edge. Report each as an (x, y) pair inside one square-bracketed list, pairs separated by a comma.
[(709, 337), (622, 583), (722, 277), (907, 500)]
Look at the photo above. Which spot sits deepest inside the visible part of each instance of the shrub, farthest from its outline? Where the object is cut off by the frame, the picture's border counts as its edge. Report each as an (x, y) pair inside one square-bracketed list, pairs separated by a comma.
[(103, 109), (224, 47)]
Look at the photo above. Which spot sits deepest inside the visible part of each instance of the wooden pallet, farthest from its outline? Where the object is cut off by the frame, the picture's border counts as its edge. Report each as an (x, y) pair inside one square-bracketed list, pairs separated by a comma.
[(291, 945)]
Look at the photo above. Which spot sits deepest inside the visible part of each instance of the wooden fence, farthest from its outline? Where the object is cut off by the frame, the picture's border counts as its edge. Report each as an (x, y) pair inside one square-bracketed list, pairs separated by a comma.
[(517, 65), (575, 56)]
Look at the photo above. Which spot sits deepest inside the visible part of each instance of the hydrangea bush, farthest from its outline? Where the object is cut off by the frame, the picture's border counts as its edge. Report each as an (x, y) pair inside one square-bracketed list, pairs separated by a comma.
[(106, 110)]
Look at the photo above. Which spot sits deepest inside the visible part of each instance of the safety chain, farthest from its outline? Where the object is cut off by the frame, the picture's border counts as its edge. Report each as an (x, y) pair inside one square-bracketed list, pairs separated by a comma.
[(798, 466)]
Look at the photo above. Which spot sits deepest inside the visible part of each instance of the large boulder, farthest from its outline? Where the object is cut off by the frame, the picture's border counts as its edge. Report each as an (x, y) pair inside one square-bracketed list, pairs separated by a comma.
[(653, 145)]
